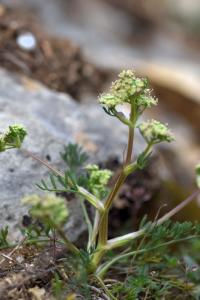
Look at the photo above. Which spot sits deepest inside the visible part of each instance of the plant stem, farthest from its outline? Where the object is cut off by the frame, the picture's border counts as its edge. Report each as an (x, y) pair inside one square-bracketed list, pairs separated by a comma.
[(73, 249), (90, 198), (179, 207), (115, 190), (130, 146), (87, 220), (43, 162), (127, 238), (104, 268), (122, 119), (92, 242), (105, 288), (103, 230), (102, 227), (130, 135), (123, 175)]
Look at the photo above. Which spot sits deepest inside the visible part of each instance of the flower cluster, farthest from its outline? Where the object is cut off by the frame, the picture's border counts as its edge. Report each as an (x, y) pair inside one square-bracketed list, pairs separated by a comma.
[(47, 207), (12, 138), (98, 179), (155, 132), (128, 85), (128, 89)]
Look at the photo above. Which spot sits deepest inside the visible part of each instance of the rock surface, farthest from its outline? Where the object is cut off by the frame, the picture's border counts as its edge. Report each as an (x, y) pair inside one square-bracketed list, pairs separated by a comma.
[(52, 120)]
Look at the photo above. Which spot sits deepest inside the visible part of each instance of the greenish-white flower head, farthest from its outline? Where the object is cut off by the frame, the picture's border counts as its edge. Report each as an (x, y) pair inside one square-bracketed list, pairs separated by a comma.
[(198, 175), (128, 86), (155, 132), (47, 207), (13, 137), (98, 179), (128, 89), (110, 101)]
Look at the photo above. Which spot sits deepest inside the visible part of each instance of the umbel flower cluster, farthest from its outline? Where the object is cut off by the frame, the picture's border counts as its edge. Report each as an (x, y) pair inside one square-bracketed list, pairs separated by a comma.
[(48, 206), (129, 89), (98, 180), (12, 138), (135, 91), (155, 132)]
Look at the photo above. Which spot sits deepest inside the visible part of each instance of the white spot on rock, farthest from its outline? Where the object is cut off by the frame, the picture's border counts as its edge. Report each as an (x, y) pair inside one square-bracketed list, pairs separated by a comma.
[(27, 41)]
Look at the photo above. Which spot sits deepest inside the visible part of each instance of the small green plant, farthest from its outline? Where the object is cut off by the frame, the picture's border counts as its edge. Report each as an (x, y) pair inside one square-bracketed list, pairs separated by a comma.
[(4, 237), (12, 138), (89, 183)]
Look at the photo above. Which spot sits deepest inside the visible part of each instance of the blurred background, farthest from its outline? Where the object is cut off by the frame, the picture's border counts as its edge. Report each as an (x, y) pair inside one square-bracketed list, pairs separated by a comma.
[(78, 47)]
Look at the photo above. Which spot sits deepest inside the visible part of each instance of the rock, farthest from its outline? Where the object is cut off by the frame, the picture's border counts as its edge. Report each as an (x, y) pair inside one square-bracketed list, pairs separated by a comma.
[(52, 120)]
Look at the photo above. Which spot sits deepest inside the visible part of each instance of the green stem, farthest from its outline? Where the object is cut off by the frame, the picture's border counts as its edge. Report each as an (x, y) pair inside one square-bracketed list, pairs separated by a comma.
[(131, 134), (90, 198), (130, 146), (147, 150), (122, 119), (123, 175), (102, 227), (73, 249), (92, 242), (103, 230), (178, 208), (115, 190), (103, 269), (87, 220), (127, 238), (104, 287), (95, 258), (103, 222)]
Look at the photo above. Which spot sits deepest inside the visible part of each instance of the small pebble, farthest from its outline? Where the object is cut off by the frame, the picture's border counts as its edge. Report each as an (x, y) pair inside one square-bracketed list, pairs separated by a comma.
[(27, 41)]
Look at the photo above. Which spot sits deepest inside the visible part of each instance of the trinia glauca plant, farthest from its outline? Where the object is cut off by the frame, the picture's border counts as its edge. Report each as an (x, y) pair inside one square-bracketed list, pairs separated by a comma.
[(89, 183)]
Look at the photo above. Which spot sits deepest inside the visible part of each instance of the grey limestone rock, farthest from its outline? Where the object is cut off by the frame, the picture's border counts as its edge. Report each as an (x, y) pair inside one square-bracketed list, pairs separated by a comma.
[(52, 120)]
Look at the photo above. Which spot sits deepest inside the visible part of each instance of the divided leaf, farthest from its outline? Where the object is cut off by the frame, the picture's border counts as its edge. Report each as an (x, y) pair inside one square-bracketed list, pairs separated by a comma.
[(74, 156)]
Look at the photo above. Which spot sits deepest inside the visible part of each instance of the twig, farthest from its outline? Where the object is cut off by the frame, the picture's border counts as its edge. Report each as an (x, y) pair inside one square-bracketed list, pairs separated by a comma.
[(99, 292), (43, 162), (14, 250)]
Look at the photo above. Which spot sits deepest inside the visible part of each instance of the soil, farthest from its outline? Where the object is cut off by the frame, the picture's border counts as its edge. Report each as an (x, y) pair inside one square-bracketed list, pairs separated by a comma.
[(27, 272), (22, 270), (57, 63)]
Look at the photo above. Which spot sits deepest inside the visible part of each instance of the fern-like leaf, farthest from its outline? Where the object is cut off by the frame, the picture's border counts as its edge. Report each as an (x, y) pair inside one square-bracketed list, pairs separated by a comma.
[(74, 156)]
